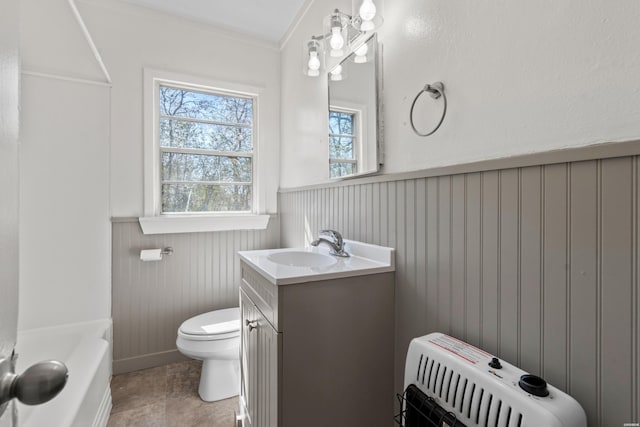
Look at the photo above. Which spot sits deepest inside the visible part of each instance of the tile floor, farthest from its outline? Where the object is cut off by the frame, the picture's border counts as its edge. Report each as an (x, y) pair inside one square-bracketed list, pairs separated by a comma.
[(166, 396)]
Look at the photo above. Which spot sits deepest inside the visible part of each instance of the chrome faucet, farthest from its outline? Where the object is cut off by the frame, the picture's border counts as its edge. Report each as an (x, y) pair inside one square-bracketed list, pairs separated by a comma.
[(335, 242)]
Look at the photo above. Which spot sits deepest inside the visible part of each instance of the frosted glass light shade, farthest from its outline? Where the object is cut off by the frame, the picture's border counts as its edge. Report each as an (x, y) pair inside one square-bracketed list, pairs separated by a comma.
[(312, 54), (337, 73), (366, 15), (361, 54), (336, 29), (367, 10)]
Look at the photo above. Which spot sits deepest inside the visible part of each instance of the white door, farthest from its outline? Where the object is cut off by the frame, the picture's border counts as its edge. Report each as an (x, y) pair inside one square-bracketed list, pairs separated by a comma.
[(9, 101)]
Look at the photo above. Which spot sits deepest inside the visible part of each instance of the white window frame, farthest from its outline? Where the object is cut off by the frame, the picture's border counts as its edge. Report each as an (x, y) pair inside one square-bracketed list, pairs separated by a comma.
[(156, 222), (359, 112)]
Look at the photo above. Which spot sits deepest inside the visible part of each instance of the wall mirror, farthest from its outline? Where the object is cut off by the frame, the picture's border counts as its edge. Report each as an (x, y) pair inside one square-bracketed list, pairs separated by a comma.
[(354, 130)]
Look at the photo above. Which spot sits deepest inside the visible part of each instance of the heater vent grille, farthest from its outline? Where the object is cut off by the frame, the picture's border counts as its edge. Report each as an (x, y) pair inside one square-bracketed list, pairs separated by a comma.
[(466, 399)]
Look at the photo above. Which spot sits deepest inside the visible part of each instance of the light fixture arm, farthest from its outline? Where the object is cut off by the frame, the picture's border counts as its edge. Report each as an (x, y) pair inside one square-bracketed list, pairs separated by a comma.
[(327, 35)]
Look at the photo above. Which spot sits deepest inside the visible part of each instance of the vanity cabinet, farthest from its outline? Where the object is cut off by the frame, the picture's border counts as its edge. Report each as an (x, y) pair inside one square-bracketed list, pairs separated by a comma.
[(318, 353)]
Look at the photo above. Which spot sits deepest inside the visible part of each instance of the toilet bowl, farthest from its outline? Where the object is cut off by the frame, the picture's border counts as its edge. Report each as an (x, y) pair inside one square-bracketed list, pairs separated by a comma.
[(214, 338)]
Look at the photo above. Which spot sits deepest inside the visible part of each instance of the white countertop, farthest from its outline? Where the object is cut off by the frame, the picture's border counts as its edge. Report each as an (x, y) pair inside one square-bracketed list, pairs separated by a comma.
[(364, 259)]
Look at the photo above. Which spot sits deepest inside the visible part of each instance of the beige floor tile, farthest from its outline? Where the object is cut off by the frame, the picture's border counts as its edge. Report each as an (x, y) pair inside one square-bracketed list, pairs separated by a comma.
[(189, 412), (138, 389), (145, 416), (183, 379)]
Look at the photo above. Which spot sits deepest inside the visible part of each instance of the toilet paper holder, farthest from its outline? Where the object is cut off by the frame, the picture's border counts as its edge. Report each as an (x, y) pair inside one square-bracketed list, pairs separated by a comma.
[(155, 254)]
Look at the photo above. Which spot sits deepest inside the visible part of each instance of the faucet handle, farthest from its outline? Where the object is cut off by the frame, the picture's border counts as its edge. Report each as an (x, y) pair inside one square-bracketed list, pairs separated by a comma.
[(333, 233)]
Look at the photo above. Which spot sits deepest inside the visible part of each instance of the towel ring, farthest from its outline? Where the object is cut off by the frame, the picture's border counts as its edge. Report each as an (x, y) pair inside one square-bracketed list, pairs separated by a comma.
[(436, 90)]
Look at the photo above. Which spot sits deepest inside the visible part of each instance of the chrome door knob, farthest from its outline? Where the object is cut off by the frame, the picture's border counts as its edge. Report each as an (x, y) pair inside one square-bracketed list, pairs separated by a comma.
[(38, 384)]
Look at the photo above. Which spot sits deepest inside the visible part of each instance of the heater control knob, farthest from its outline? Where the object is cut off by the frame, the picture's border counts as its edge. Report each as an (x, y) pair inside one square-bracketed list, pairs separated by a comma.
[(534, 385), (495, 363)]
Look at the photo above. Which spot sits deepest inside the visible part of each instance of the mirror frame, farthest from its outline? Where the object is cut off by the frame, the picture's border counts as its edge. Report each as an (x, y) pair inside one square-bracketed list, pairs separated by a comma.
[(379, 125)]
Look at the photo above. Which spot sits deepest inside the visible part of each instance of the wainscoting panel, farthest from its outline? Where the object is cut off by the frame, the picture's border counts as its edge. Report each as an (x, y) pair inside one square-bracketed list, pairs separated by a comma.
[(151, 299), (538, 265)]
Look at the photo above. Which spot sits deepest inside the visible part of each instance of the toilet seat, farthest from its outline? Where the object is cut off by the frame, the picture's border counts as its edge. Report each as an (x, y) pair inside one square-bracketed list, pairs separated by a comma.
[(212, 326)]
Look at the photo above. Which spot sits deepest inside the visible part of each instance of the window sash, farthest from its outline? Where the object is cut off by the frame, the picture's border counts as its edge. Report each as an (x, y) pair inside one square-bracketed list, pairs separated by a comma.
[(348, 168), (176, 181), (354, 115), (205, 121), (352, 161), (221, 93), (185, 200), (344, 135), (207, 152), (200, 181)]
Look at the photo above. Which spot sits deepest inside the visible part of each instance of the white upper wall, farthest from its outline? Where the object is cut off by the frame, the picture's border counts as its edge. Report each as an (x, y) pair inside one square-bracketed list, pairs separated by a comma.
[(131, 38), (520, 77)]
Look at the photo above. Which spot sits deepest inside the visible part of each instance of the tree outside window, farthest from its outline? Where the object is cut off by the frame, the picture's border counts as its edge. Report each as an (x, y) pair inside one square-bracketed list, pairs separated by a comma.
[(342, 142)]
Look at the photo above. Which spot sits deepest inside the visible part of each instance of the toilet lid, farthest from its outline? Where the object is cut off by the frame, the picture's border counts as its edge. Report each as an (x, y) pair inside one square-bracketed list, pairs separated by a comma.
[(213, 323)]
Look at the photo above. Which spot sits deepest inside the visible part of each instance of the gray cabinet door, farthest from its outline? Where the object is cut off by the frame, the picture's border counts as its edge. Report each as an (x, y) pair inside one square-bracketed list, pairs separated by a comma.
[(248, 360), (259, 367), (9, 101), (266, 409)]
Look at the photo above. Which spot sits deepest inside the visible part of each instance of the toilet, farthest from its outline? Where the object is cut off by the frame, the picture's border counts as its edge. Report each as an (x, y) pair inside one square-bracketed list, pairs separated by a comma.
[(214, 338)]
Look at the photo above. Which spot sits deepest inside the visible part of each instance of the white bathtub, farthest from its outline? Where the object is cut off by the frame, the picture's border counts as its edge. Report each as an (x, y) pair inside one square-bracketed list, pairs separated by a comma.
[(86, 350)]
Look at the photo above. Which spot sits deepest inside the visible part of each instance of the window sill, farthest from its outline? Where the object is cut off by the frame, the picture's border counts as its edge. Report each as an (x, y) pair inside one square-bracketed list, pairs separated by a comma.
[(200, 224)]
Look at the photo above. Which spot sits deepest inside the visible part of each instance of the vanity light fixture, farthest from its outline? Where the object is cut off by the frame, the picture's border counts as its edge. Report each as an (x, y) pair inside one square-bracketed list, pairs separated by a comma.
[(340, 30), (313, 64)]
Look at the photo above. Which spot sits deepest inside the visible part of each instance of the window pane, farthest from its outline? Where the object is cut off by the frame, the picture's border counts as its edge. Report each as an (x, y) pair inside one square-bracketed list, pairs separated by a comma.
[(341, 147), (341, 169), (341, 123), (183, 134), (205, 198), (197, 167), (207, 106)]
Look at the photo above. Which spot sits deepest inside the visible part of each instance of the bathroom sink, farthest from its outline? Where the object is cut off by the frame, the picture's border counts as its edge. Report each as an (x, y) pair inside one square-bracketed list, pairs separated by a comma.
[(302, 259), (288, 266)]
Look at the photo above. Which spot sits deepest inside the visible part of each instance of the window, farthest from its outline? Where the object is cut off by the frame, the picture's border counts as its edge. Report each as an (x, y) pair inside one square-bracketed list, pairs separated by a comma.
[(343, 140), (201, 151), (206, 151)]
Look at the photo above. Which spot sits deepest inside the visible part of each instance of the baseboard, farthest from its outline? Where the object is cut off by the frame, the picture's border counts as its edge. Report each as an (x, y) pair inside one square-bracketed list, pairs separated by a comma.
[(130, 364), (102, 417)]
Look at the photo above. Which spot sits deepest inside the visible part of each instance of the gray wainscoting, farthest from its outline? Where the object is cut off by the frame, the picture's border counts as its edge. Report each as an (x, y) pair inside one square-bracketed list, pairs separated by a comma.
[(151, 299), (538, 265)]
